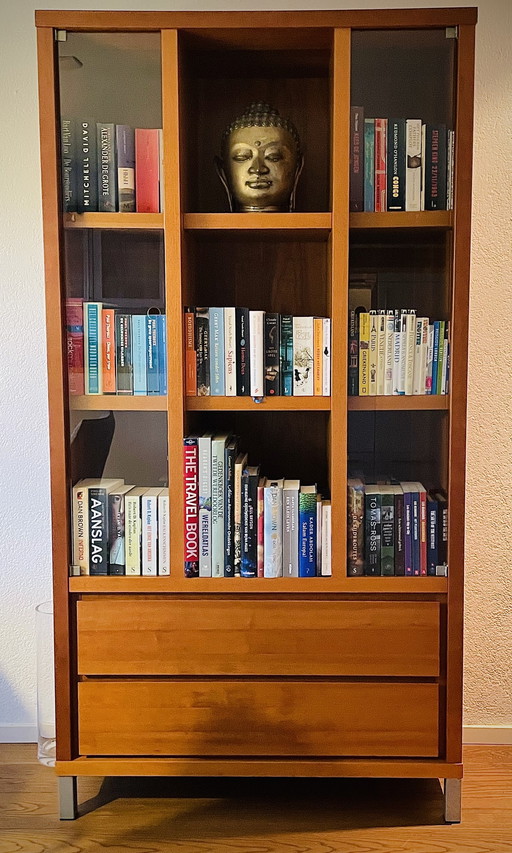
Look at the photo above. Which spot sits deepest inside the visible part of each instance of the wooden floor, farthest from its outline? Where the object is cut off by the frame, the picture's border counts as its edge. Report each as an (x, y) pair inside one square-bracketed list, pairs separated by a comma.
[(246, 816)]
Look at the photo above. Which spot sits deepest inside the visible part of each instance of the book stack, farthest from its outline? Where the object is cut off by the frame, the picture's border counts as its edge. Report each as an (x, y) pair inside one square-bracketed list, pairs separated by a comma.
[(113, 352), (240, 523), (120, 529), (400, 164), (396, 529), (236, 352), (111, 167), (394, 352)]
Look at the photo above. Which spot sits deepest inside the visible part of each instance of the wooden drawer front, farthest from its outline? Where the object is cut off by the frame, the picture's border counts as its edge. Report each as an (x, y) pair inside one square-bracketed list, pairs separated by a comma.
[(257, 718), (184, 637)]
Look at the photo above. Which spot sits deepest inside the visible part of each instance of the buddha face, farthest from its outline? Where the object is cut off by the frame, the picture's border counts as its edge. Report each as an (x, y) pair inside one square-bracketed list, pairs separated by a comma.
[(261, 167)]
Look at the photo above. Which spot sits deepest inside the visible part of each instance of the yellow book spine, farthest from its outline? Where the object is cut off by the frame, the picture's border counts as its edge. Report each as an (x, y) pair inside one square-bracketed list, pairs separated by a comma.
[(364, 354), (317, 350)]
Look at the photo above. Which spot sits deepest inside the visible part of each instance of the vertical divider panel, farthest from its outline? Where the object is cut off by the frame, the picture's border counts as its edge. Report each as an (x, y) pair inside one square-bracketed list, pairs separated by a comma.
[(338, 298), (173, 298)]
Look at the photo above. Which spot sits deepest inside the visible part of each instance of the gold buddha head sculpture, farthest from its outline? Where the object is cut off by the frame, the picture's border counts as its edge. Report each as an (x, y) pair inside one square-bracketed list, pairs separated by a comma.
[(261, 161)]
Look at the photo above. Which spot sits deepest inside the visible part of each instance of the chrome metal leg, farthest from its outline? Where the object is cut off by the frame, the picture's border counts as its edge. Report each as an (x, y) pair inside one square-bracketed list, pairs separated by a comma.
[(67, 798), (452, 800)]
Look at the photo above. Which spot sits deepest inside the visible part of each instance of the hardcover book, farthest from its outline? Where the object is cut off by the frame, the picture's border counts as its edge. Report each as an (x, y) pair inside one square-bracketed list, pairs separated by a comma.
[(230, 352), (147, 168), (369, 165), (272, 355), (291, 490), (435, 167), (243, 376), (124, 364), (164, 553), (75, 345), (231, 454), (307, 532), (356, 159), (68, 165), (161, 333), (273, 528), (249, 531), (92, 347), (240, 464), (190, 485), (217, 387), (326, 555), (116, 530), (125, 150), (149, 510), (139, 351), (202, 325), (87, 167), (381, 132), (355, 528), (153, 378), (372, 564), (108, 347), (204, 443), (218, 496), (133, 530), (413, 164), (256, 321), (286, 360), (107, 173), (303, 348), (396, 164), (98, 493), (190, 353)]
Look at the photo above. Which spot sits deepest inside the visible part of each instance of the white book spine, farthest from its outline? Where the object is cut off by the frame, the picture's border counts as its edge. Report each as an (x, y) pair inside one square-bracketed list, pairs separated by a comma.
[(326, 357), (218, 447), (418, 381), (291, 530), (424, 355), (81, 528), (445, 365), (204, 449), (403, 352), (411, 341), (326, 563), (149, 533), (397, 347), (164, 564), (273, 530), (256, 319), (229, 355), (373, 353), (132, 534), (423, 150), (319, 508), (413, 167), (381, 351), (303, 349), (388, 348)]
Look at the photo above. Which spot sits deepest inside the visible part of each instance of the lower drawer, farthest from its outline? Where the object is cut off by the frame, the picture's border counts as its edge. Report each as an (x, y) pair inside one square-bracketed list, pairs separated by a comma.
[(303, 718)]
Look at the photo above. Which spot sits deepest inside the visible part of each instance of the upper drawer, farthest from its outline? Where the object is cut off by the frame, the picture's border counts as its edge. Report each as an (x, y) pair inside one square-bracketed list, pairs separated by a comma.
[(129, 636)]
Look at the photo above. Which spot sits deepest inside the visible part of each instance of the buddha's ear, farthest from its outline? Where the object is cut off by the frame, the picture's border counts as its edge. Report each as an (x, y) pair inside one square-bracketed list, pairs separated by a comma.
[(298, 171), (219, 166)]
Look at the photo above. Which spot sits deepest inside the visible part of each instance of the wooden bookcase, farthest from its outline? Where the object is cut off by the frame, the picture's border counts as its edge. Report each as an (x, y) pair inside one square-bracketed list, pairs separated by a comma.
[(229, 676)]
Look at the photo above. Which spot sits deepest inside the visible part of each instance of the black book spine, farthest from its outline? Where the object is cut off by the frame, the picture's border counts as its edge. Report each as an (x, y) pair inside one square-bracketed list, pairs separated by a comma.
[(98, 531), (124, 362), (229, 509), (396, 164), (249, 565), (372, 516), (286, 354), (68, 165), (353, 354), (442, 530), (435, 167), (272, 355), (243, 373), (356, 159), (202, 333), (87, 167), (399, 535), (432, 537), (107, 172)]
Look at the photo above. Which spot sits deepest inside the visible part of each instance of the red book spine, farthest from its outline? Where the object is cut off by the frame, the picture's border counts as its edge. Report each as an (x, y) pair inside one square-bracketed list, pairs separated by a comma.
[(381, 128), (190, 482), (75, 345), (147, 163), (423, 533), (190, 354)]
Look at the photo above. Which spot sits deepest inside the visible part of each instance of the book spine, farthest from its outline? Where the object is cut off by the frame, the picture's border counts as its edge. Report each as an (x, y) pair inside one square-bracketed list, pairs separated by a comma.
[(388, 353), (164, 565), (147, 166), (418, 384), (356, 159), (256, 320), (396, 164), (190, 353), (92, 347), (415, 534), (272, 354), (204, 444), (249, 525), (133, 534), (229, 510), (75, 345), (217, 352), (442, 527), (326, 570), (317, 355), (413, 164), (273, 531), (291, 532), (237, 530), (153, 380), (116, 534), (409, 354), (124, 364), (125, 150), (218, 492), (230, 352), (68, 165), (149, 534), (87, 195), (381, 351), (381, 126), (373, 534), (432, 533), (435, 357), (435, 167), (369, 165), (404, 325), (307, 535), (108, 347), (440, 357), (353, 354), (286, 361), (372, 354), (190, 483), (243, 361), (81, 528), (107, 194), (397, 347), (161, 328), (98, 531), (399, 534), (202, 325), (430, 359), (303, 344), (356, 530), (364, 354), (260, 547), (326, 357), (387, 532), (408, 558), (423, 532)]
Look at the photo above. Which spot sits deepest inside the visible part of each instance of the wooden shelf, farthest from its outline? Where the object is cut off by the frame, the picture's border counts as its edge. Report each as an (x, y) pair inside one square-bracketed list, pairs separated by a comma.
[(175, 584), (121, 403), (143, 221), (309, 224), (440, 219), (268, 404), (426, 402)]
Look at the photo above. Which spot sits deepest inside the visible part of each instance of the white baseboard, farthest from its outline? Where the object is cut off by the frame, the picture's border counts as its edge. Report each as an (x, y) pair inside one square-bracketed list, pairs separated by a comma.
[(487, 734), (10, 733)]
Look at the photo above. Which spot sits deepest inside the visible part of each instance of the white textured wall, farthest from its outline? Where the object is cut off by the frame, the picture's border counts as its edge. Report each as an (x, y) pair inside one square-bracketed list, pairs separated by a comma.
[(25, 539)]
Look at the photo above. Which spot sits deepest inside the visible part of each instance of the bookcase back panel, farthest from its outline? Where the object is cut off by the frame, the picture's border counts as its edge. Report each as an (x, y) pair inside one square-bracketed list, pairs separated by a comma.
[(216, 88)]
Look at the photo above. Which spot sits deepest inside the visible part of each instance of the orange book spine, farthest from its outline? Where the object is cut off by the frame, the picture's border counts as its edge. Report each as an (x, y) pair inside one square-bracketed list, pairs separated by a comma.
[(190, 355), (318, 326), (109, 351)]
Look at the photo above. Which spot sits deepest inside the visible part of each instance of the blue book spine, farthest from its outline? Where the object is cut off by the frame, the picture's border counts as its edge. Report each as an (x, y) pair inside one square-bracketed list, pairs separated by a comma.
[(307, 534), (125, 155), (139, 347), (435, 356), (92, 312), (408, 532), (217, 388), (286, 353), (152, 355), (415, 500), (249, 537), (431, 537), (369, 165), (162, 353)]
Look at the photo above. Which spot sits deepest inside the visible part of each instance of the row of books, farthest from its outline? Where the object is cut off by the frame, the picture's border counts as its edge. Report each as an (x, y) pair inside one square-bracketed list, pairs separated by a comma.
[(113, 352), (396, 529), (110, 167), (238, 522), (236, 352), (120, 529), (396, 352), (400, 164)]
